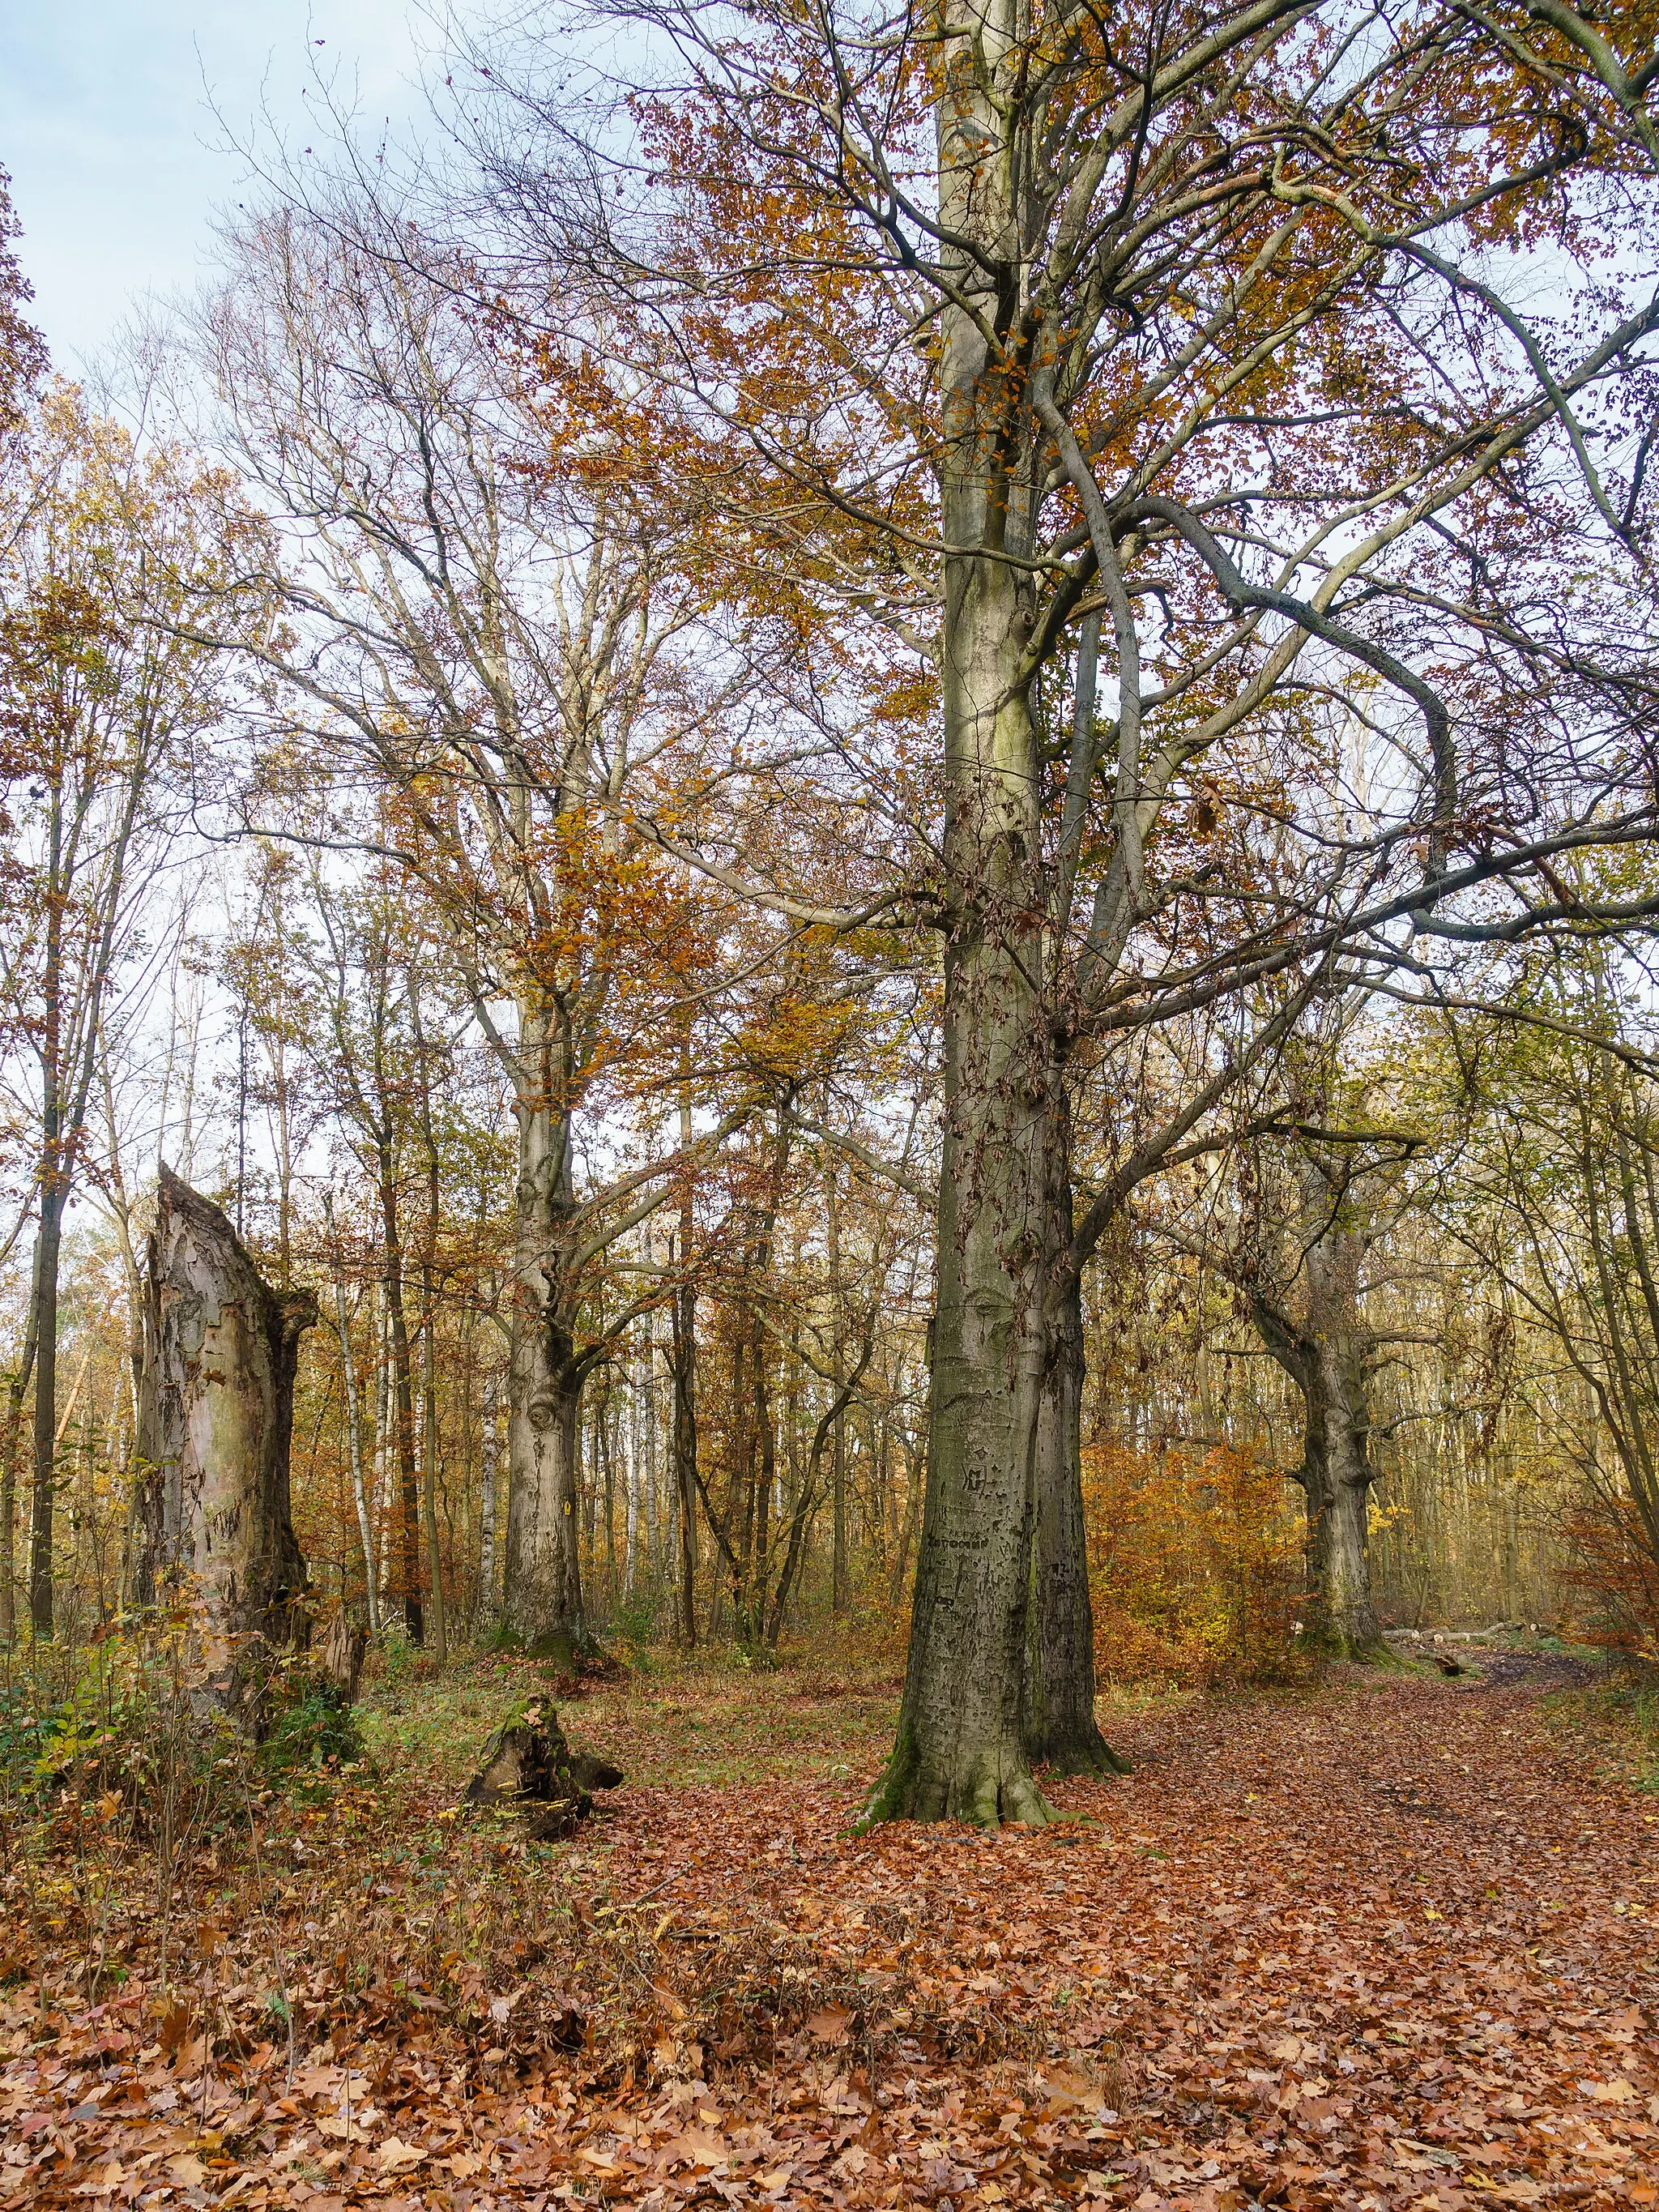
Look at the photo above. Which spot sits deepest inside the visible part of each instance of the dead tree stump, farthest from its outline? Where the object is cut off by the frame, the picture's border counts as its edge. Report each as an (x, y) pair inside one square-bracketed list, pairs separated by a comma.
[(341, 1654), (217, 1357), (529, 1763)]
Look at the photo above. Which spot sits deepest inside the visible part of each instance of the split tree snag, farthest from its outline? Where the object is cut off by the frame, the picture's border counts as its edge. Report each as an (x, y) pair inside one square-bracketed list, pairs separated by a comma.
[(215, 1415), (344, 1647)]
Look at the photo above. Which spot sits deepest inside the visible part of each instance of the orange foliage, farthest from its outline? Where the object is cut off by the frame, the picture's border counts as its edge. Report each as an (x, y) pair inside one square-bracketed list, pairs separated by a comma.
[(1195, 1564)]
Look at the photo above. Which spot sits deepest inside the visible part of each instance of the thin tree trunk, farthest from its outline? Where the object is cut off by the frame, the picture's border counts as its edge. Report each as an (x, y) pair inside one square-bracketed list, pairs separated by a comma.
[(840, 1580), (766, 1441), (382, 1441), (434, 1561), (12, 1445), (487, 1479), (631, 1477), (46, 1404), (355, 1441), (402, 1407), (684, 1362)]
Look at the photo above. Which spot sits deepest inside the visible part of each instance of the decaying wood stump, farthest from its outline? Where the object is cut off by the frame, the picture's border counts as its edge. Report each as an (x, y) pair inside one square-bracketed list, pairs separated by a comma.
[(217, 1356), (341, 1654), (529, 1763)]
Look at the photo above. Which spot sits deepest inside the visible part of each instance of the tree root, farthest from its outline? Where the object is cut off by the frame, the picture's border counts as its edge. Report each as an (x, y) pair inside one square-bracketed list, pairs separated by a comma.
[(1083, 1753), (990, 1789)]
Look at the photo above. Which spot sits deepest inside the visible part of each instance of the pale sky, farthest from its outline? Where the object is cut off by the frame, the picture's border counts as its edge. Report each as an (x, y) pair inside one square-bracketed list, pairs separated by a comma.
[(117, 160)]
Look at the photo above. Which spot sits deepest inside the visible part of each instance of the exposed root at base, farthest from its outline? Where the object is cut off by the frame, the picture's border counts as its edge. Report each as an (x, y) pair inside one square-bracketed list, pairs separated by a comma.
[(1089, 1754), (990, 1792)]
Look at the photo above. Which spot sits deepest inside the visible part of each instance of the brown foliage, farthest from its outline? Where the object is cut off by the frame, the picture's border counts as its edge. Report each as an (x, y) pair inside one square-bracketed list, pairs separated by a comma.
[(1613, 1575)]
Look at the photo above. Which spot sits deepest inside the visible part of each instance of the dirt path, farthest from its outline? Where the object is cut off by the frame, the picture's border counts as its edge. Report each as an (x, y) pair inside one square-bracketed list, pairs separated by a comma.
[(1394, 1947), (1386, 1946)]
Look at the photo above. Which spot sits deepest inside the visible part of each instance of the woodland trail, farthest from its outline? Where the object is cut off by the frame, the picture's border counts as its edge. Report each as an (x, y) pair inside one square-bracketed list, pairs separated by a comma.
[(1390, 1943)]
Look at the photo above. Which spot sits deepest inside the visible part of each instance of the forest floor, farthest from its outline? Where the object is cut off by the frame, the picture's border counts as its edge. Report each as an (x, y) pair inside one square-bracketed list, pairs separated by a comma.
[(1388, 1941)]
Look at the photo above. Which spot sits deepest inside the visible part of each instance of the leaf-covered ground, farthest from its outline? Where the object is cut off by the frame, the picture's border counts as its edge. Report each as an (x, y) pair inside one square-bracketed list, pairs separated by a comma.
[(1388, 1943)]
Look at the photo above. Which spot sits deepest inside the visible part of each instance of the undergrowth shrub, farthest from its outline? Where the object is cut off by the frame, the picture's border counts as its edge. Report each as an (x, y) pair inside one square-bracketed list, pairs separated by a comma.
[(1196, 1566), (1612, 1577), (311, 1726)]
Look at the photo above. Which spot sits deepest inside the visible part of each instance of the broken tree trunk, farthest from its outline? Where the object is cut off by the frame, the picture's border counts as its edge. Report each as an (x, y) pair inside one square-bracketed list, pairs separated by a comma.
[(344, 1649), (219, 1351), (529, 1763)]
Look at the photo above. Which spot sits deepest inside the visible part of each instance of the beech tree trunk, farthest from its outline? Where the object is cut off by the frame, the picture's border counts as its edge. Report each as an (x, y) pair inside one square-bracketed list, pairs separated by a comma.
[(1327, 1355), (542, 1595), (1336, 1477), (542, 1605), (961, 1749), (1060, 1728), (216, 1409)]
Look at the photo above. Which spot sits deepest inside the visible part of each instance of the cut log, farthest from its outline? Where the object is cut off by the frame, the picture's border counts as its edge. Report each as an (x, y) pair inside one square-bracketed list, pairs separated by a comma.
[(218, 1352)]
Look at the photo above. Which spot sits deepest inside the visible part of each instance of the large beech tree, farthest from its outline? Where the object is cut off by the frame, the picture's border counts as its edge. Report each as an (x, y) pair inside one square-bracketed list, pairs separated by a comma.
[(1002, 321)]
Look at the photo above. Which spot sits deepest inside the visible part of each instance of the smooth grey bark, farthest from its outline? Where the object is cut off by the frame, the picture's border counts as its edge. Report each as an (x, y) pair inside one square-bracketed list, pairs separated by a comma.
[(219, 1351), (542, 1603), (960, 1751), (1061, 1727), (1327, 1353)]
